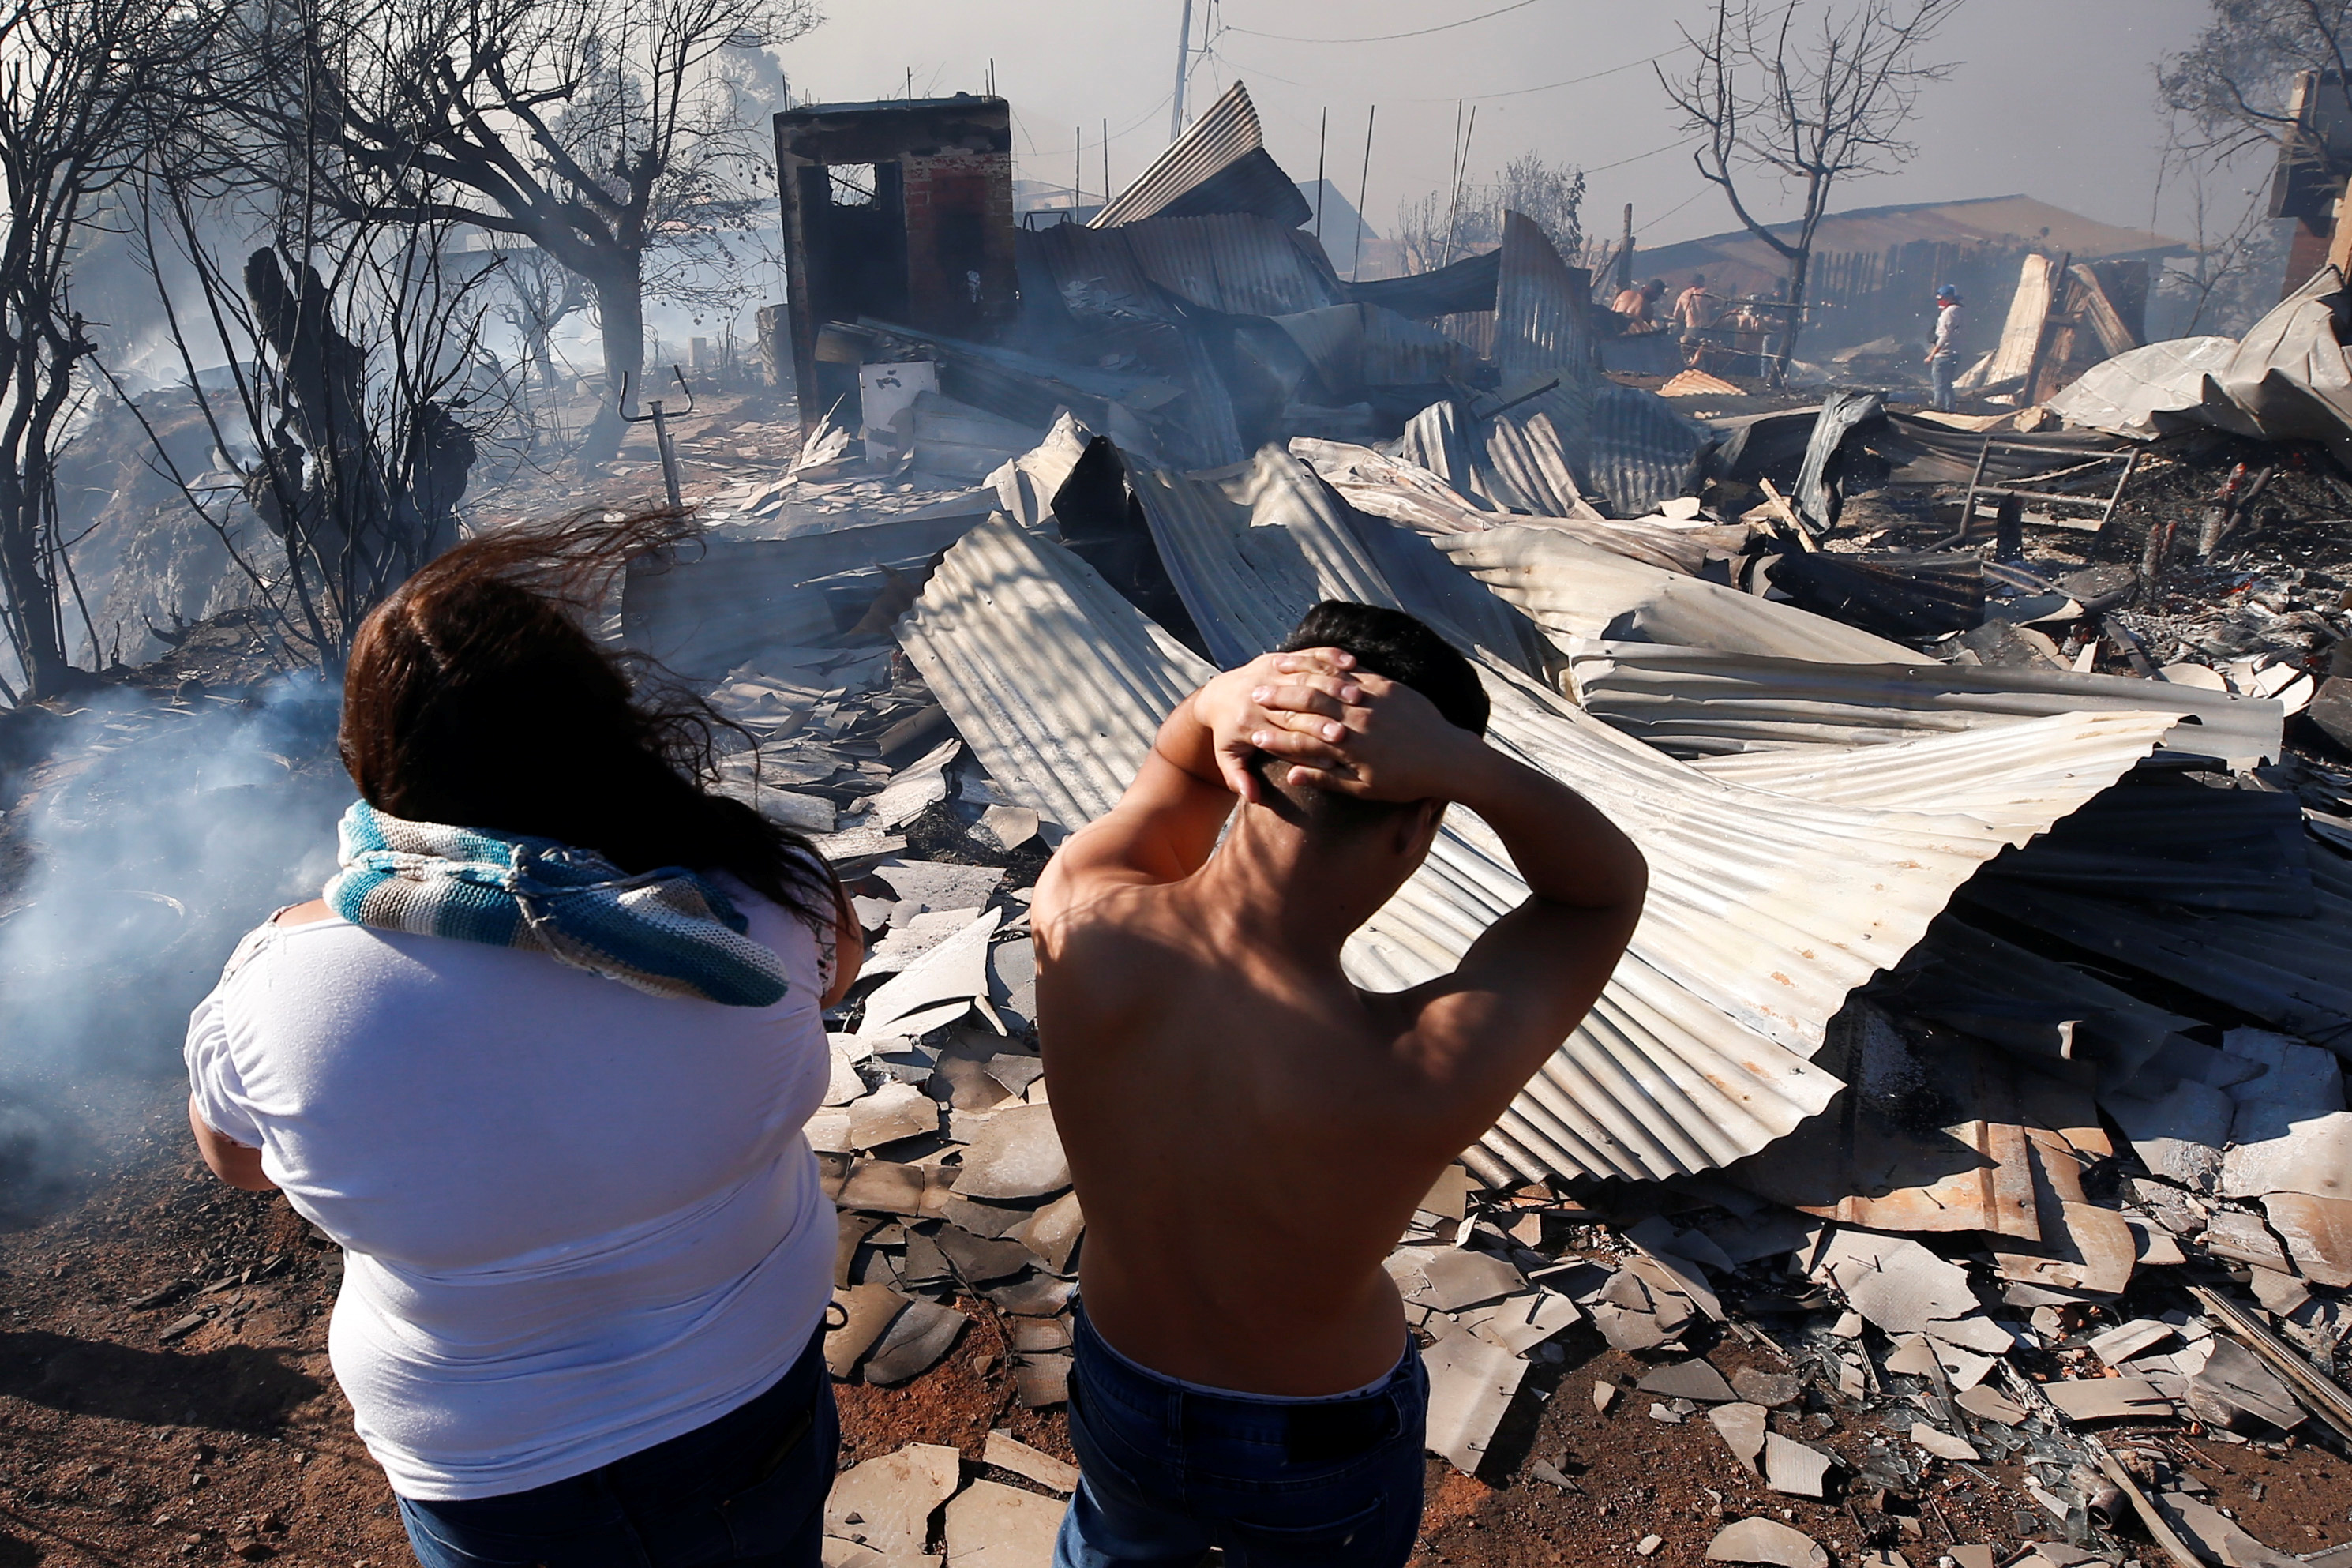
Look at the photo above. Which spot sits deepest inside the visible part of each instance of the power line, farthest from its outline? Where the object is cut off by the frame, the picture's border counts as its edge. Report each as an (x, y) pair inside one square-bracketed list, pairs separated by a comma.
[(1384, 37), (1669, 147), (1451, 97)]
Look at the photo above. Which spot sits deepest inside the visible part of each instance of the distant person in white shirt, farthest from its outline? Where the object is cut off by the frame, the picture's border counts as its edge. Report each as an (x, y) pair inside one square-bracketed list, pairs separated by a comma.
[(539, 1061), (1944, 353)]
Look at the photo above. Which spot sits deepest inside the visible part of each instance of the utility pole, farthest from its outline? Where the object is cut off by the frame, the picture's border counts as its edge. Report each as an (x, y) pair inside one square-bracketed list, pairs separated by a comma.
[(1625, 253), (1184, 59), (1322, 137), (1461, 173), (1363, 193)]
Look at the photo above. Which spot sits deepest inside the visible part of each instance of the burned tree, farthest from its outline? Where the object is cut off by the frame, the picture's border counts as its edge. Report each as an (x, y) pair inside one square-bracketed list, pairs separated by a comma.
[(2235, 86), (349, 391), (599, 131), (1776, 95), (1448, 224), (79, 81), (370, 523), (2266, 82)]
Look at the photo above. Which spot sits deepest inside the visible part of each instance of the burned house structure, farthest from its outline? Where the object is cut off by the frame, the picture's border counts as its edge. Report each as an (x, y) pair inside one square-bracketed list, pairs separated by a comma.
[(1194, 318), (900, 211)]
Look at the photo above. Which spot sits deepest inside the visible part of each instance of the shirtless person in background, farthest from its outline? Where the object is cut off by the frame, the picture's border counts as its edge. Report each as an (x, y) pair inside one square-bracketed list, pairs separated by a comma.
[(1249, 1133)]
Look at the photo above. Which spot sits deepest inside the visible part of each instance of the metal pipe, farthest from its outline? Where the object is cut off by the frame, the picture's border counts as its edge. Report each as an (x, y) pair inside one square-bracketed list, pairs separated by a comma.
[(1183, 54)]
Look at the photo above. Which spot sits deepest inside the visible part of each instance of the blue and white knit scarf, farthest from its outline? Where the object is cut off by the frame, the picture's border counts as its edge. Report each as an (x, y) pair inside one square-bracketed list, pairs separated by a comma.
[(669, 932)]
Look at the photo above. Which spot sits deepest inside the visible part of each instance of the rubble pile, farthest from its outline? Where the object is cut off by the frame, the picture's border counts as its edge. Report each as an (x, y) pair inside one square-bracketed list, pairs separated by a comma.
[(1967, 1118), (1942, 1241)]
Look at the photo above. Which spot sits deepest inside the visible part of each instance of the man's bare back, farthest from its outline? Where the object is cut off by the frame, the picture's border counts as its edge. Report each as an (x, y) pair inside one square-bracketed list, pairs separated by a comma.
[(1249, 1132)]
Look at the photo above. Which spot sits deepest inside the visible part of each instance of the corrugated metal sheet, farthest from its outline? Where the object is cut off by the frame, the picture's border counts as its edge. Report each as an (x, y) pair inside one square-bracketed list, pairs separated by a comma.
[(1528, 466), (1926, 453), (1573, 590), (1973, 978), (1391, 487), (1840, 415), (2146, 392), (1057, 682), (1433, 439), (2291, 379), (1427, 583), (1543, 456), (1639, 449), (1764, 910), (2176, 842), (718, 602), (2012, 775), (1912, 597), (1220, 165), (1464, 287), (1699, 702), (1234, 263), (1353, 347), (1541, 320), (1394, 487), (2286, 972), (1023, 386)]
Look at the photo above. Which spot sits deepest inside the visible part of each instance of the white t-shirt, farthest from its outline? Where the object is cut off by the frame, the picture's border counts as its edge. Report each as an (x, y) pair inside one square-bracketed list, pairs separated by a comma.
[(1948, 328), (578, 1220)]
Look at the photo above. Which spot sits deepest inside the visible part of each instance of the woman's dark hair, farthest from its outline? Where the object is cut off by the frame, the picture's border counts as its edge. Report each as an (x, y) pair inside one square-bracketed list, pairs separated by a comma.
[(476, 697)]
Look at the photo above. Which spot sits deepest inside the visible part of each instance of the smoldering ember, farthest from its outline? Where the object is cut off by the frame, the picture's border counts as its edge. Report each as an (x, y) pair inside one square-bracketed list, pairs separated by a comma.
[(1949, 594)]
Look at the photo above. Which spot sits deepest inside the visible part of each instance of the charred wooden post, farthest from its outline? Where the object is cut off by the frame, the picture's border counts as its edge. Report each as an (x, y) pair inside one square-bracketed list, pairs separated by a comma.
[(325, 485)]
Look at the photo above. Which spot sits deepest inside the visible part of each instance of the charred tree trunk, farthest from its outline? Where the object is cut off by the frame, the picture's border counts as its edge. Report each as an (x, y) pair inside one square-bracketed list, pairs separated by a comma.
[(1801, 269), (358, 523), (621, 315), (32, 622)]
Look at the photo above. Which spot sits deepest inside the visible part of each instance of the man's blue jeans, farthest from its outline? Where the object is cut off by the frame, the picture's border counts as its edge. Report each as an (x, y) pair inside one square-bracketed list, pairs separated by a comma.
[(747, 1489), (1171, 1469), (1942, 371)]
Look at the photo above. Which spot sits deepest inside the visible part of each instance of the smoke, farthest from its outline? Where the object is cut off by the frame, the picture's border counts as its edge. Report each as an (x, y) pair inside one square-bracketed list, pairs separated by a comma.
[(156, 835)]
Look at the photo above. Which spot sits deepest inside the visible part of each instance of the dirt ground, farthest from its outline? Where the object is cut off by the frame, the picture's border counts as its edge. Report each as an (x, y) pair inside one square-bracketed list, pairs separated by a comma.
[(165, 1398)]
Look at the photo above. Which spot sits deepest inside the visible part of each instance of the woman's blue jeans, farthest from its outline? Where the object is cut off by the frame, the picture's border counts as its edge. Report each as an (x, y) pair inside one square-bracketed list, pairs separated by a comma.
[(747, 1489), (1171, 1471)]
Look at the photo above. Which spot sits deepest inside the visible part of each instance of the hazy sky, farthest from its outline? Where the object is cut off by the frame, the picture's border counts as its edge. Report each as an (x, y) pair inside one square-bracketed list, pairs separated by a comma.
[(2054, 99)]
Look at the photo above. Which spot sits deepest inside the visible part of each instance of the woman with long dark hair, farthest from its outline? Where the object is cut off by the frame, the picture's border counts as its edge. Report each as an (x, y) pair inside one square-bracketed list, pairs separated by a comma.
[(539, 1060)]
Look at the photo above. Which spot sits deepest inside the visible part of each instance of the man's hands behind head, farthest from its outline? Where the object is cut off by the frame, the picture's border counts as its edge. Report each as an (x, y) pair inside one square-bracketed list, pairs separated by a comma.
[(1356, 733), (1271, 690)]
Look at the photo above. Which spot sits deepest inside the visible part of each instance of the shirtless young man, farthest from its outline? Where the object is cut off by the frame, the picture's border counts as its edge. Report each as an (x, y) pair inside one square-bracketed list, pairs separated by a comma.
[(1249, 1131)]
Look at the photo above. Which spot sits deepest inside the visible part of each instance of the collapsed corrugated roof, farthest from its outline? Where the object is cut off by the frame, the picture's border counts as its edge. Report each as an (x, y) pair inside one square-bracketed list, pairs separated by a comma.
[(1353, 347), (1765, 910), (1382, 486), (1457, 289), (1054, 679), (1697, 701), (1220, 165), (1573, 590), (1543, 454), (2287, 971), (1235, 263), (2148, 390), (1542, 314)]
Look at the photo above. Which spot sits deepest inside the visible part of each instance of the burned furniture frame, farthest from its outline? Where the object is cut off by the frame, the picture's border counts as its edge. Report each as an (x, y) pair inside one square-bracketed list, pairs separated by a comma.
[(2007, 494), (901, 211)]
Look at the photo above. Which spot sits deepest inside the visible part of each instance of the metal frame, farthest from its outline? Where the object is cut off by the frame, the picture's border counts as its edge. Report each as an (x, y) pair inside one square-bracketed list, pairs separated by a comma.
[(1977, 485)]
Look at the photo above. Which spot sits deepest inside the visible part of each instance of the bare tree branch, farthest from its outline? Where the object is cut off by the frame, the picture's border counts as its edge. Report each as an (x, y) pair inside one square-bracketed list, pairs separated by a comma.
[(1769, 110)]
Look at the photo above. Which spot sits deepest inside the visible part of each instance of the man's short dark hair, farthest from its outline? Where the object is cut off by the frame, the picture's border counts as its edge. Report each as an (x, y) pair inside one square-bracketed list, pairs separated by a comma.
[(1394, 644), (1387, 643)]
